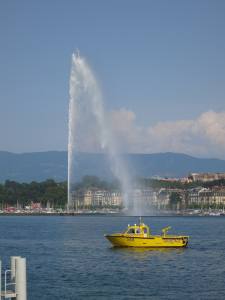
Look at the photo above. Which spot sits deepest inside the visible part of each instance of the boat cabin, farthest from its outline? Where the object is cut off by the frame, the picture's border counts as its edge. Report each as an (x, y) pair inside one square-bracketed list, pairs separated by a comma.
[(140, 230)]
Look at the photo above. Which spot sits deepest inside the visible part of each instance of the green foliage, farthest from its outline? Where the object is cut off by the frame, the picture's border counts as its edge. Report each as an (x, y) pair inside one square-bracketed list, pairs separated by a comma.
[(13, 193), (89, 182), (157, 184), (175, 198), (49, 191), (210, 184)]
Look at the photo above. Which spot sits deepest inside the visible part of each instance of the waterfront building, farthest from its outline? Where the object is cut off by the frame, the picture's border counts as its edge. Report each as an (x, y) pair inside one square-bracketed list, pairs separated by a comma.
[(116, 199), (206, 176), (143, 197), (96, 198), (87, 195), (206, 198), (163, 198)]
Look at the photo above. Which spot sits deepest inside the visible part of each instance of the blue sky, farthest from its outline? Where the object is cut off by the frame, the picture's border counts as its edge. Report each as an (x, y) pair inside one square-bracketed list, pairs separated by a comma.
[(161, 61)]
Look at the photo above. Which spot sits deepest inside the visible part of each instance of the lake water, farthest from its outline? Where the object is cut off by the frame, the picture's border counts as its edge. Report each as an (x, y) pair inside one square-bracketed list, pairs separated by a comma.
[(69, 258)]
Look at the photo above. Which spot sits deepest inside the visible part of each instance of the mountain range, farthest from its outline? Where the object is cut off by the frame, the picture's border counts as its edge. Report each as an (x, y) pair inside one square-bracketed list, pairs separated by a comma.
[(38, 166)]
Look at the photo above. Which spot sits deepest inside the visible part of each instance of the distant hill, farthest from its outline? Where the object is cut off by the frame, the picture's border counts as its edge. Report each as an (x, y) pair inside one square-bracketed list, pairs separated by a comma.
[(38, 166)]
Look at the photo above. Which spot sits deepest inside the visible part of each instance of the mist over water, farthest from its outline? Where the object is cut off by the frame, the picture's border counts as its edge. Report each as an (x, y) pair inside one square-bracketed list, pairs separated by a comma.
[(90, 130)]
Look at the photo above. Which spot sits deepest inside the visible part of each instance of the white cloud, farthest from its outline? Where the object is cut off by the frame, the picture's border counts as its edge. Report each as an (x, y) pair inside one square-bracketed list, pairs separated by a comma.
[(203, 136)]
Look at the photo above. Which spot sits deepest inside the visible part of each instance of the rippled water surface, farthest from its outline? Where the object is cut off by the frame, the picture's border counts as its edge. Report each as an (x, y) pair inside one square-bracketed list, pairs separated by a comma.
[(69, 258)]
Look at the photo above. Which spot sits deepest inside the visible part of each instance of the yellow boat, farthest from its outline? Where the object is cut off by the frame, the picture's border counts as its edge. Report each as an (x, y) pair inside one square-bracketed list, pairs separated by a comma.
[(140, 236)]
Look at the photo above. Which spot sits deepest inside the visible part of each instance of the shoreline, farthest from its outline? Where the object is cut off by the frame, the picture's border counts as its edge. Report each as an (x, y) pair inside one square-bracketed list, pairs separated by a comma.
[(74, 214)]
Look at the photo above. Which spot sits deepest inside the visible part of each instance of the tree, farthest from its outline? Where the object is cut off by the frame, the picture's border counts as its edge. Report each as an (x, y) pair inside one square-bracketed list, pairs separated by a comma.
[(13, 193), (175, 200)]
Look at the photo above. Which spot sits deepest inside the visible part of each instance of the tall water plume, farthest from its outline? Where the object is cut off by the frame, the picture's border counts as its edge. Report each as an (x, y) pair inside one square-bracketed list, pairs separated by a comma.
[(89, 126)]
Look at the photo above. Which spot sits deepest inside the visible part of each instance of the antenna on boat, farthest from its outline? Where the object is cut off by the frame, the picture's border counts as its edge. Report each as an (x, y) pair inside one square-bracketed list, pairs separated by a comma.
[(140, 220)]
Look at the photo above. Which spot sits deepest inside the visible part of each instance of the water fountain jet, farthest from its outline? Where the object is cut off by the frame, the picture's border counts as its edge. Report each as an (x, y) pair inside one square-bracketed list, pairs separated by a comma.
[(86, 100)]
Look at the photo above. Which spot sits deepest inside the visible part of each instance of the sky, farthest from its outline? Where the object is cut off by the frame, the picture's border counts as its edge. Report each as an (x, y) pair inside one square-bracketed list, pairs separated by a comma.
[(160, 66)]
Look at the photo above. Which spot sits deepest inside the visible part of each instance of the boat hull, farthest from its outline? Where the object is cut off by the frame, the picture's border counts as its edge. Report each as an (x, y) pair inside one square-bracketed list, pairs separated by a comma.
[(148, 242)]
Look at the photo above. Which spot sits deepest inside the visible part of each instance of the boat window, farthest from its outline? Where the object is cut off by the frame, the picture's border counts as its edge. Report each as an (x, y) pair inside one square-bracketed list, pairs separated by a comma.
[(138, 230), (145, 230), (131, 230)]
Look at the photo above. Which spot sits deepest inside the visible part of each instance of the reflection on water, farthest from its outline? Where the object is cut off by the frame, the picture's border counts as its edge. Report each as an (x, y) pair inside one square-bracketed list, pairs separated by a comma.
[(143, 253)]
